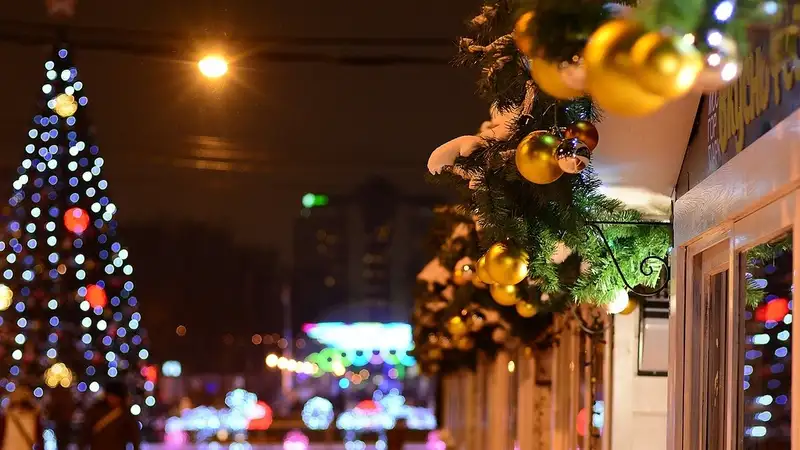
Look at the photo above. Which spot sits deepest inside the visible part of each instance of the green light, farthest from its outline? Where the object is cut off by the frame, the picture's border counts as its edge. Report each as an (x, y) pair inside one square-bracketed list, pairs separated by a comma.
[(311, 200)]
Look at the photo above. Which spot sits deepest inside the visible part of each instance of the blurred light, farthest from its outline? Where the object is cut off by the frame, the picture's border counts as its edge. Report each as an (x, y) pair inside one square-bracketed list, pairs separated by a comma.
[(318, 413), (311, 200), (180, 331), (272, 360), (213, 66), (171, 369), (511, 366)]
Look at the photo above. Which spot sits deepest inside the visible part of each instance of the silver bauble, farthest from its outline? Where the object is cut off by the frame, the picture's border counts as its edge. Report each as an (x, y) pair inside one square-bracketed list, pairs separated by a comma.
[(573, 155)]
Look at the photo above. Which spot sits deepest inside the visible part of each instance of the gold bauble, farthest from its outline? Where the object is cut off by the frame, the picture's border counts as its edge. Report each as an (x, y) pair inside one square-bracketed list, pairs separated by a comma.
[(476, 281), (456, 326), (65, 105), (522, 34), (480, 270), (526, 310), (666, 65), (465, 343), (548, 77), (585, 131), (506, 265), (536, 160), (611, 78), (504, 294)]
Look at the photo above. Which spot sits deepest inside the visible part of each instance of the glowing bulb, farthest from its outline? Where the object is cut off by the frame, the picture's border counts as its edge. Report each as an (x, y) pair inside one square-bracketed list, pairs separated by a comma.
[(213, 66), (272, 360), (6, 296), (620, 302), (65, 105)]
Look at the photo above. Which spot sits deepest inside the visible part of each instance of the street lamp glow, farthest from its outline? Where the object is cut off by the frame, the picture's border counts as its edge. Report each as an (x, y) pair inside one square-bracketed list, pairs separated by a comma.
[(213, 66)]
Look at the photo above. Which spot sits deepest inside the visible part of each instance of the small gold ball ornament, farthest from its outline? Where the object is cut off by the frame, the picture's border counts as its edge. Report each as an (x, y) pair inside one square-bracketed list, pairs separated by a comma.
[(463, 275), (536, 161), (549, 78), (506, 265), (65, 105), (523, 34), (465, 344), (480, 270), (456, 327), (611, 78), (585, 131), (666, 65), (526, 310), (504, 294)]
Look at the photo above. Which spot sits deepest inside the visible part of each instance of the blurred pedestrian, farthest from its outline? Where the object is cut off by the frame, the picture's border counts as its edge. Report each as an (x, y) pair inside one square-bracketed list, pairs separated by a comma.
[(60, 412), (21, 424), (396, 437), (109, 425)]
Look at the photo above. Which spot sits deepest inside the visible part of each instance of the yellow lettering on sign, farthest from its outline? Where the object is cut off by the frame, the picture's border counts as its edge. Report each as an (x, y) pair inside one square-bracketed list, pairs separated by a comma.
[(749, 96)]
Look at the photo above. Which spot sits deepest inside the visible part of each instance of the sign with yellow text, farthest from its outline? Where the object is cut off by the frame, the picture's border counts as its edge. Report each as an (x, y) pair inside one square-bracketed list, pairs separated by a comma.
[(767, 92)]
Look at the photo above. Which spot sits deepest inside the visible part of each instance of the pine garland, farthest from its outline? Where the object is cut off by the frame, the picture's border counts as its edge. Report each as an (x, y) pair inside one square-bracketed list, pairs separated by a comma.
[(455, 237), (540, 218)]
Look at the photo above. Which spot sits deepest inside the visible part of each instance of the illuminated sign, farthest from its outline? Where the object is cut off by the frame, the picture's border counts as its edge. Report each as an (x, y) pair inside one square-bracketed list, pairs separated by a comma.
[(370, 336)]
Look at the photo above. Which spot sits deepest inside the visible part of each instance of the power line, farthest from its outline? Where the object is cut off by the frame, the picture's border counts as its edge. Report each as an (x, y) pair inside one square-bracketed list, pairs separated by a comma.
[(273, 49)]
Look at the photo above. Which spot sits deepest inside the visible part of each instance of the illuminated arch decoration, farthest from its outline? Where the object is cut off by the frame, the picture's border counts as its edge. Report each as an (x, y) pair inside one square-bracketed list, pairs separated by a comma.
[(317, 413), (245, 412), (382, 413)]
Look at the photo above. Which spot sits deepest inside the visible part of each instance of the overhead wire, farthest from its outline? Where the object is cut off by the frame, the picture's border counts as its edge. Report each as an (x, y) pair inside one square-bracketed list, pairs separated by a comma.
[(274, 49)]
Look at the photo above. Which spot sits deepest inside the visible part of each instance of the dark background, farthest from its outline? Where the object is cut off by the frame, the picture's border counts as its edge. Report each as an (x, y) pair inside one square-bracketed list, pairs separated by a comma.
[(208, 175)]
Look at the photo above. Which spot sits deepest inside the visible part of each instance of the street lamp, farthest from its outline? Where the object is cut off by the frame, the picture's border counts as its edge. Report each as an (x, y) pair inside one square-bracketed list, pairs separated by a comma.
[(213, 66)]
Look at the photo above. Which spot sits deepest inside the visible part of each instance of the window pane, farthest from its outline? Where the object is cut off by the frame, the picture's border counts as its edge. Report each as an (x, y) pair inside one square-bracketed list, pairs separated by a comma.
[(767, 346)]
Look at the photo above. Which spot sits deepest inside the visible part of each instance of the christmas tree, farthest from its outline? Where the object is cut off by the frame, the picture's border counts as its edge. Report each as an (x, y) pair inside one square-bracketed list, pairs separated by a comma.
[(70, 315)]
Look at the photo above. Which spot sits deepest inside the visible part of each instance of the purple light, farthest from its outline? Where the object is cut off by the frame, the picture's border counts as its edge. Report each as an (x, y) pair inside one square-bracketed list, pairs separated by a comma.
[(435, 442), (295, 440)]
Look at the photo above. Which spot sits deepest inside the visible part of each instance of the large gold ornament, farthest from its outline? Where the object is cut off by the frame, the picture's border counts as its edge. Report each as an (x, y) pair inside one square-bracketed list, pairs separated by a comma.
[(456, 327), (666, 65), (548, 77), (522, 34), (536, 159), (504, 294), (476, 281), (526, 310), (585, 131), (611, 78), (480, 270), (506, 265), (65, 105)]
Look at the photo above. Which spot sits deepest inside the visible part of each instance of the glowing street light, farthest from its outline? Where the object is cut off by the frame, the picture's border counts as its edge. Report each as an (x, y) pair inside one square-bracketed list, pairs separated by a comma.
[(213, 66)]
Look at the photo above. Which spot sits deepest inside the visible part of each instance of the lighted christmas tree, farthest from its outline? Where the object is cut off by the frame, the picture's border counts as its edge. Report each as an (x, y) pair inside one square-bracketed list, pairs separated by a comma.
[(70, 316)]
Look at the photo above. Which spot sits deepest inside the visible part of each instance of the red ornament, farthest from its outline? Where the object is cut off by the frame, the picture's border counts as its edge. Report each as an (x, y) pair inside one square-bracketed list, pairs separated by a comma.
[(263, 420), (150, 373), (96, 296), (76, 220), (774, 311)]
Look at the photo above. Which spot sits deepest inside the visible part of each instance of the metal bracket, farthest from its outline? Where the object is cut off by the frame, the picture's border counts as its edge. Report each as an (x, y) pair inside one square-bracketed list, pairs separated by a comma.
[(644, 266)]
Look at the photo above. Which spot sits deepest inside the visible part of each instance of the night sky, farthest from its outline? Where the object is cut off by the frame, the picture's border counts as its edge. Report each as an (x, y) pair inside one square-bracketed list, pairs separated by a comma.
[(240, 155)]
